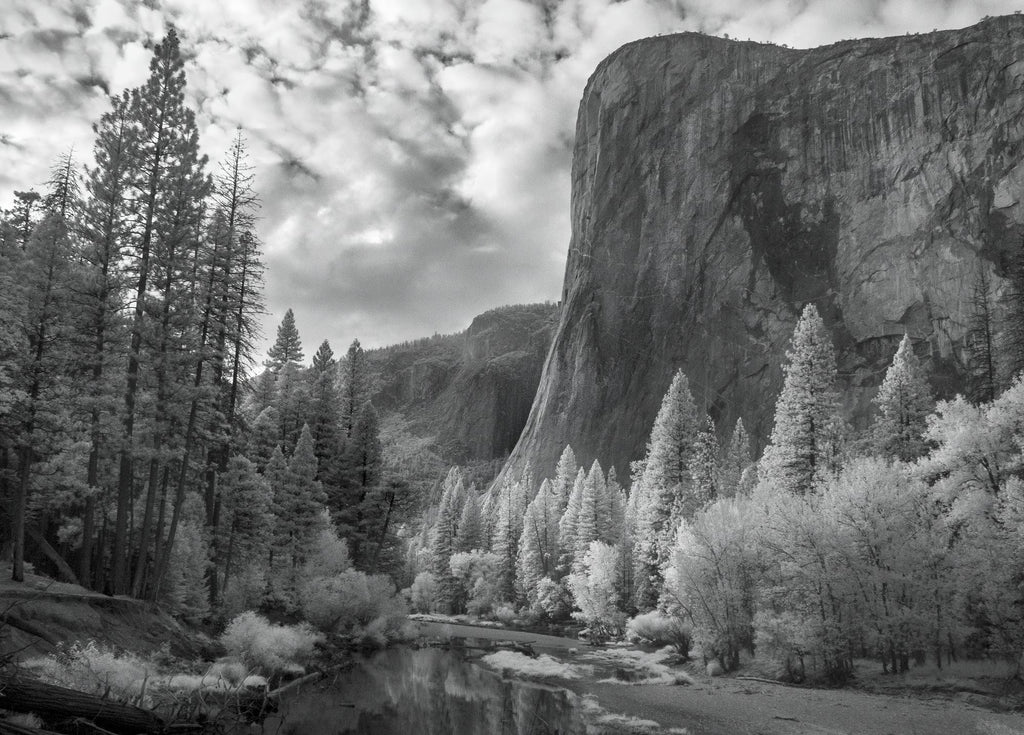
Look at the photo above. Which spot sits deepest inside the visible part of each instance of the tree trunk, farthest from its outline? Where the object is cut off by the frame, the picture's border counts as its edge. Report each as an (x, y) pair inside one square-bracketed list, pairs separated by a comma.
[(21, 694)]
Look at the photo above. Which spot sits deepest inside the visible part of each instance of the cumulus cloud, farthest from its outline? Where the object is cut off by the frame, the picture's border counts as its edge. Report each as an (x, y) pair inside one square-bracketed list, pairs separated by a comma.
[(412, 155)]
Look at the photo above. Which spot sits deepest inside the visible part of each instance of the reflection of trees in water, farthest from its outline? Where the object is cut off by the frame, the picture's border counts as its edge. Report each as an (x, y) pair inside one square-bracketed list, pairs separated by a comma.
[(429, 692)]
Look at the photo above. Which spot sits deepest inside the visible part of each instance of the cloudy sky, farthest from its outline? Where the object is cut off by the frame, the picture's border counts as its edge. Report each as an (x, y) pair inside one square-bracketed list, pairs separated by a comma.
[(412, 155)]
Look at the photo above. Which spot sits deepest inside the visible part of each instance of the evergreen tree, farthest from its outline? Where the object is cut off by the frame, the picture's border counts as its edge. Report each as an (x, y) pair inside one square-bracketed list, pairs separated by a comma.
[(37, 421), (568, 523), (904, 401), (980, 341), (323, 408), (292, 402), (1013, 321), (736, 462), (165, 154), (704, 469), (589, 522), (304, 502), (538, 545), (354, 388), (806, 430), (248, 504), (105, 224), (508, 529), (664, 488), (355, 510), (471, 526), (565, 476), (444, 539), (287, 348)]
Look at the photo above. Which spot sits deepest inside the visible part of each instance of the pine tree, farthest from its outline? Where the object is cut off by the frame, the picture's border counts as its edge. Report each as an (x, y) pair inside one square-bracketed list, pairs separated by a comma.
[(565, 476), (663, 488), (444, 538), (105, 224), (1013, 321), (704, 467), (806, 415), (323, 407), (538, 545), (287, 348), (41, 281), (354, 388), (471, 527), (589, 521), (356, 514), (508, 529), (736, 462), (165, 153), (980, 341), (292, 402), (278, 479), (248, 501), (904, 402), (305, 501), (567, 524)]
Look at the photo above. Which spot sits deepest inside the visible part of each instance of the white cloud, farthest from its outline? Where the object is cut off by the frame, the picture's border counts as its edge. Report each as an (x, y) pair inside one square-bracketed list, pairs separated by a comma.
[(413, 160)]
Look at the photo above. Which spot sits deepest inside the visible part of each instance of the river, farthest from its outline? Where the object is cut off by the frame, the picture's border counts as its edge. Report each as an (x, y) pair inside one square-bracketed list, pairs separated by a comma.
[(405, 691)]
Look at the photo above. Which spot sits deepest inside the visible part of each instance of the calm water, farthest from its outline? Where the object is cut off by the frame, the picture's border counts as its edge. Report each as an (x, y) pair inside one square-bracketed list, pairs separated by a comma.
[(412, 692)]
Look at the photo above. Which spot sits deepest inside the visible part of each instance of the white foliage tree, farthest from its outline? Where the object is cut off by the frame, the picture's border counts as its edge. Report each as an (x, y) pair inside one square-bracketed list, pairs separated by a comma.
[(804, 441)]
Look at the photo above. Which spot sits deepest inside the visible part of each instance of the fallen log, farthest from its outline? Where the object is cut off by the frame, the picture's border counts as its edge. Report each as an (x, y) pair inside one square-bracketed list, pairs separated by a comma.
[(51, 702)]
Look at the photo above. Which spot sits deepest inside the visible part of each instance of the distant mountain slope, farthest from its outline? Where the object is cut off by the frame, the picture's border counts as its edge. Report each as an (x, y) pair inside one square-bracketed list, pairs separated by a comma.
[(471, 391), (718, 186)]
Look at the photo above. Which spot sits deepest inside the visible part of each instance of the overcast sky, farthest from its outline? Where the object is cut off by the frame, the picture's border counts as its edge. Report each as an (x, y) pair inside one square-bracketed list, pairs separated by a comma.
[(412, 155)]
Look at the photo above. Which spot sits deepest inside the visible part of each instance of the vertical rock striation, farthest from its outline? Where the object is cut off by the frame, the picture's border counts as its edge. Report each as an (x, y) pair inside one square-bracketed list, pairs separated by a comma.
[(718, 186)]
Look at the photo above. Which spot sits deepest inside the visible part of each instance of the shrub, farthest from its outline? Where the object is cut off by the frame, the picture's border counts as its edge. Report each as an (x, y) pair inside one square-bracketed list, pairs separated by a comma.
[(553, 599), (479, 573), (423, 592), (353, 599), (505, 614), (95, 668), (659, 629), (268, 647)]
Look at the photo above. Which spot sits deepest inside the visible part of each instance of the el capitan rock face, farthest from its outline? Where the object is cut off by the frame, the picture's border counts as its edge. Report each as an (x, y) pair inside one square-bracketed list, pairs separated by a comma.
[(720, 185)]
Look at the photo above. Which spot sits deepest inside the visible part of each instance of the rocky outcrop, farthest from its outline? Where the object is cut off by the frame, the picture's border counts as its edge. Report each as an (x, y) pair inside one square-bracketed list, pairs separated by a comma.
[(719, 185), (471, 392)]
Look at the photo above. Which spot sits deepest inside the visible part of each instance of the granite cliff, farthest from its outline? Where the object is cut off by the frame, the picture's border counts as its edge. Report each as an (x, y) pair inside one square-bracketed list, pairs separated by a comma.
[(470, 391), (717, 186)]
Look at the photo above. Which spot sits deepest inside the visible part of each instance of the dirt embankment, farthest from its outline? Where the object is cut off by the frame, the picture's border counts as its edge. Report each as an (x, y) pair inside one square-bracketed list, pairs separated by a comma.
[(39, 614)]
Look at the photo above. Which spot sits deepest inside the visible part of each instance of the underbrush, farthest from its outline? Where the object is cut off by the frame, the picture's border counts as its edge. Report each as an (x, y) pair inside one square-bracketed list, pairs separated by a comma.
[(657, 629), (157, 681), (269, 648)]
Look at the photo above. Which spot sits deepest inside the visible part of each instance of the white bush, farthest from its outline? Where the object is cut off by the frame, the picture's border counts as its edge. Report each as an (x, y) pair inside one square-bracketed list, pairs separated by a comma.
[(95, 668), (261, 644), (659, 629), (353, 599), (479, 574), (595, 591), (423, 592)]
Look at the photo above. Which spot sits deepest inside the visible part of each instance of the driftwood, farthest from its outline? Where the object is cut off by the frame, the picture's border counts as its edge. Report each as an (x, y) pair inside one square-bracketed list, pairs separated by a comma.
[(51, 702)]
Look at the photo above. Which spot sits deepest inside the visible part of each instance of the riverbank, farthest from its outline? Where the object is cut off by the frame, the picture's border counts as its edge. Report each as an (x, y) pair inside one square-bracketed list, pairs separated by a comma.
[(40, 614), (627, 682), (737, 706)]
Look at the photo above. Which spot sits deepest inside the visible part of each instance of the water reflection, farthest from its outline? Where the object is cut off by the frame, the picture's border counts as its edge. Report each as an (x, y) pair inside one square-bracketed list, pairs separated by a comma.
[(408, 692)]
